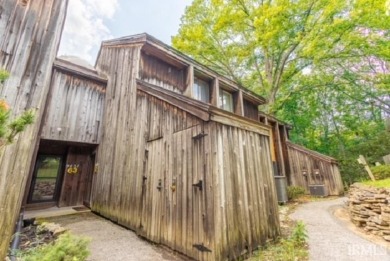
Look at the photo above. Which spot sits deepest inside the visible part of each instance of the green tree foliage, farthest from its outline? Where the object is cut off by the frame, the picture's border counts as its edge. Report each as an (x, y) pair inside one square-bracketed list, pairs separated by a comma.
[(323, 65), (10, 128), (269, 45)]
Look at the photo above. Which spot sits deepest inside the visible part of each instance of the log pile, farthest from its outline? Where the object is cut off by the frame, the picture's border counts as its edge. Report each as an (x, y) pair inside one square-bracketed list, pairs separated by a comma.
[(370, 208)]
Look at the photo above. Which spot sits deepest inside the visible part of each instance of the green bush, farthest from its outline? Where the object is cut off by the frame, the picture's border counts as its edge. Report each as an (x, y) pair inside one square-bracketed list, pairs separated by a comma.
[(294, 192), (66, 248), (381, 171)]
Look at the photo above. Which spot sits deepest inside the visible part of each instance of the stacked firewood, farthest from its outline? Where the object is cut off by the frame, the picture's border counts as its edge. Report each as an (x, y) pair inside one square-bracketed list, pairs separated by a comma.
[(370, 208)]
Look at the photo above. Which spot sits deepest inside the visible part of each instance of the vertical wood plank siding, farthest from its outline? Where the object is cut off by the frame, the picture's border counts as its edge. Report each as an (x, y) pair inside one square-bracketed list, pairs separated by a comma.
[(74, 110), (301, 158), (155, 71), (151, 155), (116, 185), (30, 32), (250, 110), (245, 209)]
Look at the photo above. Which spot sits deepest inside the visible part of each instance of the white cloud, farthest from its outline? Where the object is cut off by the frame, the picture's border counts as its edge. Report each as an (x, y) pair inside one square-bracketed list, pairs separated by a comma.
[(84, 27)]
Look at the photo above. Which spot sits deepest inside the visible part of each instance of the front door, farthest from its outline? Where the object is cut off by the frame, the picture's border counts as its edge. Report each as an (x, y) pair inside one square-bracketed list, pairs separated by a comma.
[(46, 179), (77, 177)]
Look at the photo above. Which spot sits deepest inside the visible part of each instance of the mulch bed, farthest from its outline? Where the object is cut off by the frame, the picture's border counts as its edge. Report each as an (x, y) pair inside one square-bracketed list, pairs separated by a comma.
[(33, 235)]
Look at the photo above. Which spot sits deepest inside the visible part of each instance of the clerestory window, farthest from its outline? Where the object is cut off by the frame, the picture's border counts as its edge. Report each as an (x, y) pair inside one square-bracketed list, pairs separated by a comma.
[(226, 100), (201, 90)]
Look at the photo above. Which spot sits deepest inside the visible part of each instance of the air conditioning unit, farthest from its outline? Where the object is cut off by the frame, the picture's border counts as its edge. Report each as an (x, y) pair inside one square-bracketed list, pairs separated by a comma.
[(318, 190)]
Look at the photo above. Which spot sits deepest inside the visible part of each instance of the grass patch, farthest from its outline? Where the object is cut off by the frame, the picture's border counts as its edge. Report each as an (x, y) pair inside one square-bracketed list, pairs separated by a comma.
[(384, 183)]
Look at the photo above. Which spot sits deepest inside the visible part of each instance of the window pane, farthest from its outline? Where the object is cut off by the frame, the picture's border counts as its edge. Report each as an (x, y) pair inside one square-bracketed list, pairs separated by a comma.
[(46, 178), (226, 100), (201, 90)]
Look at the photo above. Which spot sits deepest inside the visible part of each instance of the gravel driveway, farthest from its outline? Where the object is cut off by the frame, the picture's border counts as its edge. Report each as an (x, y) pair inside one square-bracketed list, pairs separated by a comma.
[(112, 242), (330, 238)]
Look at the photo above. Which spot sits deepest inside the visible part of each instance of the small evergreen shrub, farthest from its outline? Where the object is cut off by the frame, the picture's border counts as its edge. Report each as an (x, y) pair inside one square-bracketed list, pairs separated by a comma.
[(67, 247), (294, 192), (381, 171)]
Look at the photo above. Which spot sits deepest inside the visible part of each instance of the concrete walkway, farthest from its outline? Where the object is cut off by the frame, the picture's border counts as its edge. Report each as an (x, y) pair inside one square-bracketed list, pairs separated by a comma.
[(112, 242), (330, 238)]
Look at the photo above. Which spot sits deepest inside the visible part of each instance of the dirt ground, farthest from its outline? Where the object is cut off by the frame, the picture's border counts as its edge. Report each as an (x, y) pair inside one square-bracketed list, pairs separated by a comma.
[(112, 242)]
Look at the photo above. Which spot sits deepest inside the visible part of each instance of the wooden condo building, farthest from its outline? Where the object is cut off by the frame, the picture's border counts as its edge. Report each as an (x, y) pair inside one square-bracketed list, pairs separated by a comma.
[(160, 144), (156, 142)]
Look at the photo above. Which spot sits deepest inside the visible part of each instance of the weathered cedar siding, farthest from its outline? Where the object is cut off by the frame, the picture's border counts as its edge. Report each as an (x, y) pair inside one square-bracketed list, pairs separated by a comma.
[(155, 71), (246, 213), (251, 111), (29, 36), (301, 158), (74, 110), (153, 152), (117, 156)]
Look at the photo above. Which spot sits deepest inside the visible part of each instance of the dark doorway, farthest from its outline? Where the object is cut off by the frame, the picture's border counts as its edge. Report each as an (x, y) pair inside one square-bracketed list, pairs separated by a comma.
[(46, 178), (62, 175)]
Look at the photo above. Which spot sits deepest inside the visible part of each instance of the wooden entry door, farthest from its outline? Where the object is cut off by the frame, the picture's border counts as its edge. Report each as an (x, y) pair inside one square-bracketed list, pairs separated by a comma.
[(77, 177)]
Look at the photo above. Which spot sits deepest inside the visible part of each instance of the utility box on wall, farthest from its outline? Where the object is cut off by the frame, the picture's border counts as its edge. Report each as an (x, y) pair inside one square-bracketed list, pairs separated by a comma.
[(318, 190)]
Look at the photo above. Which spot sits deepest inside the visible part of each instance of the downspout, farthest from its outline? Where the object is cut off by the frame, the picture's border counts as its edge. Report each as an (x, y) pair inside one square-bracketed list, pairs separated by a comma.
[(16, 240)]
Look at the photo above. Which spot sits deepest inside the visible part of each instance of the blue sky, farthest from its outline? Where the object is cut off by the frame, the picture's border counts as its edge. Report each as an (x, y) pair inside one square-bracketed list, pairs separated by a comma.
[(91, 21)]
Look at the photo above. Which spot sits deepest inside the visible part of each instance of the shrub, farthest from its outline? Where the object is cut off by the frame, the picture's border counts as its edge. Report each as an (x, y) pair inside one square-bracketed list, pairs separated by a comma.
[(67, 247), (299, 235), (294, 192), (381, 171)]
